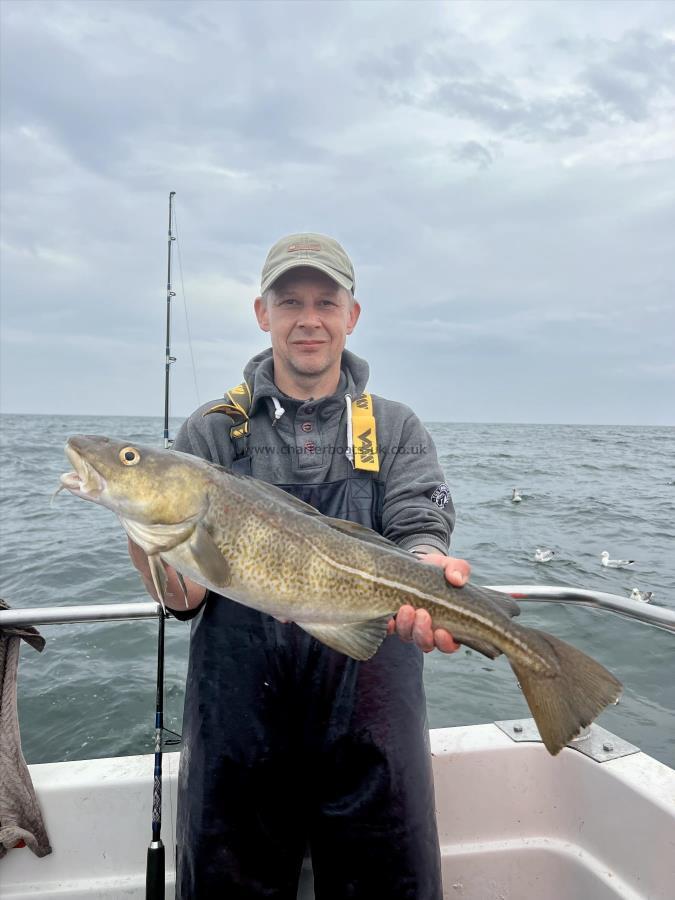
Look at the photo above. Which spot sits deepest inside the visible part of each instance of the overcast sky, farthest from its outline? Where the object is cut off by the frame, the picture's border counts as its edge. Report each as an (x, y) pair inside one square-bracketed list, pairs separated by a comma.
[(502, 174)]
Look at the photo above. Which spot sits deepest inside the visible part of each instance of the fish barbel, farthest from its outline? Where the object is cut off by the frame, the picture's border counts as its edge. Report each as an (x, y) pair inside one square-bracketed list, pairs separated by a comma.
[(337, 580)]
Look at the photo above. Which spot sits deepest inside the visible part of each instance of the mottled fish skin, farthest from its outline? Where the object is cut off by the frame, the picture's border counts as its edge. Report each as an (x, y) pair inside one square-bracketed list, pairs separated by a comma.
[(296, 566), (259, 546)]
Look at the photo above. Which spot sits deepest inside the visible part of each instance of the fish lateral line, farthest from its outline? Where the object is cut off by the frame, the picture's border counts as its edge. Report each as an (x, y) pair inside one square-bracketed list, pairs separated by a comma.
[(464, 613)]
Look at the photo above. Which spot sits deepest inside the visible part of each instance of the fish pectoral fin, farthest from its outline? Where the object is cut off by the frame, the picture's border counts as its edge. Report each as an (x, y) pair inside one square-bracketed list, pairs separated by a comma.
[(360, 640), (208, 557), (158, 573)]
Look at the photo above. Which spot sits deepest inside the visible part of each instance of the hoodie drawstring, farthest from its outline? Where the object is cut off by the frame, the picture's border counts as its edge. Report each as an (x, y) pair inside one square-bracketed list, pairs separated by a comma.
[(278, 410), (349, 453)]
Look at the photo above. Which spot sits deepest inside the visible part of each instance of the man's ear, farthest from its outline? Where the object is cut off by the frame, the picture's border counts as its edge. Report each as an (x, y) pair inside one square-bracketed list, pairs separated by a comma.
[(354, 314), (262, 313)]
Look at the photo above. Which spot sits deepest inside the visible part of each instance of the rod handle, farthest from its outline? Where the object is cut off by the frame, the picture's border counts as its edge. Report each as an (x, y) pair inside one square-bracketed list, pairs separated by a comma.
[(154, 872)]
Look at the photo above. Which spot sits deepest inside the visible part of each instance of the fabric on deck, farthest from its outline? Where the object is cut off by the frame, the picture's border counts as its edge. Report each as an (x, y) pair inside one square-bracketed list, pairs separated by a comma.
[(20, 814)]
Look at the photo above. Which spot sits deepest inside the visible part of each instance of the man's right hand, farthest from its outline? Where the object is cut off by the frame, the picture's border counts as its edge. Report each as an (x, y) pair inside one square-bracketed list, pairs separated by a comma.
[(175, 598), (415, 625)]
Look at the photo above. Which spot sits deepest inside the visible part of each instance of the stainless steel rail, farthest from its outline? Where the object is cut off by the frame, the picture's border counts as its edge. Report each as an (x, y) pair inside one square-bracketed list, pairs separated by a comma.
[(658, 616), (65, 615)]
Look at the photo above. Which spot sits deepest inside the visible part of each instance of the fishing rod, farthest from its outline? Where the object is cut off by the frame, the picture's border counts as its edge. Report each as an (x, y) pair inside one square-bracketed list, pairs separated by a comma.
[(169, 359), (155, 867)]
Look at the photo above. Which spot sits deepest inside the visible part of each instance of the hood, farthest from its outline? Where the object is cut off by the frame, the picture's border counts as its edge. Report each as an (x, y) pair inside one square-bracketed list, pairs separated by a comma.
[(259, 375)]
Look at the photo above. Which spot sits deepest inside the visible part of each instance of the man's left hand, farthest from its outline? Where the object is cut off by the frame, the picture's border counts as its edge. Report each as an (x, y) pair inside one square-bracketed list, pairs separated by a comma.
[(413, 624)]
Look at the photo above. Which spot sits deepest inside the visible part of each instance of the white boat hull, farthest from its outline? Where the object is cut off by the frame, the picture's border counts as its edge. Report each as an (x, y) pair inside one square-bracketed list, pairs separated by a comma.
[(514, 824)]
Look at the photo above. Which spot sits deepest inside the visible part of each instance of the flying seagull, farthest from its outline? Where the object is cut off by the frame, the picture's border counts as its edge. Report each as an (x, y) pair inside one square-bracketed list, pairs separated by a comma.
[(615, 563)]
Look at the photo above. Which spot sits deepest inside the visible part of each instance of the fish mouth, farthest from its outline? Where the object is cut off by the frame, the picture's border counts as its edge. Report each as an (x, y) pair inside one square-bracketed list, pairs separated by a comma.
[(85, 481)]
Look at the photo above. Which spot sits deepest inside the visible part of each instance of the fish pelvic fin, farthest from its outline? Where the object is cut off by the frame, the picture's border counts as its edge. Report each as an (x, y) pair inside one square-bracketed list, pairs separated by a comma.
[(184, 589), (360, 640), (568, 699), (158, 573)]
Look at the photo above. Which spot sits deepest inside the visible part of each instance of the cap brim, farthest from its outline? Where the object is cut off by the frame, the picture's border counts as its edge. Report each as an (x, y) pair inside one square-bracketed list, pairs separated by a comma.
[(305, 263)]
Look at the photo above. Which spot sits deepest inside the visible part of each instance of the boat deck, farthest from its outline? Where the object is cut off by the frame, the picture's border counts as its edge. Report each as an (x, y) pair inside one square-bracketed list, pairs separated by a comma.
[(514, 823)]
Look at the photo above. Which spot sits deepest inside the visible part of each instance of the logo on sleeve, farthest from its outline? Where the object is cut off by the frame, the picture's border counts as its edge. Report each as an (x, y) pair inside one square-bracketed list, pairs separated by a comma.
[(441, 495)]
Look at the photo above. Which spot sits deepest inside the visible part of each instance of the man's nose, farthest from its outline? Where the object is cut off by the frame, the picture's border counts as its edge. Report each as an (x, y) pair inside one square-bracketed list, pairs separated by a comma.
[(309, 317)]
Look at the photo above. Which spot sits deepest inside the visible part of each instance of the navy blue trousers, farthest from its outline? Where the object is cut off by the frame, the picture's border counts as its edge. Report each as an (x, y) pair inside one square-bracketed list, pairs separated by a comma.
[(289, 745)]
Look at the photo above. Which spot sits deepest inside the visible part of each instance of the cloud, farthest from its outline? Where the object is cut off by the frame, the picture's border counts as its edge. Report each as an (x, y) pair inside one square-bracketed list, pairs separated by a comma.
[(475, 152), (622, 81), (634, 74), (499, 176)]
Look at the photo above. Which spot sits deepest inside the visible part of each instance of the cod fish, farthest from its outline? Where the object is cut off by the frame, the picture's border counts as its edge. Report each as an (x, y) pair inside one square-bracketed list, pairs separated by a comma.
[(337, 580)]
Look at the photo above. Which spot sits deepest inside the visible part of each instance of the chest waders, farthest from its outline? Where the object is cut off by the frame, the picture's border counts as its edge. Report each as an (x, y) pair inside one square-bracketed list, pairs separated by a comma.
[(288, 744)]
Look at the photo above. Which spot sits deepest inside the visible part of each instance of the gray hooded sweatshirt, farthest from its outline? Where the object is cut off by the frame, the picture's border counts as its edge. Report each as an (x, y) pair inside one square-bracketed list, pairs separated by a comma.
[(297, 441)]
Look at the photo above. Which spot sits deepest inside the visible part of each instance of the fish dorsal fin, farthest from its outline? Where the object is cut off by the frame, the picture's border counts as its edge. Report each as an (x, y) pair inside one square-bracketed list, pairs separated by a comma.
[(272, 492), (360, 640), (353, 529), (365, 534)]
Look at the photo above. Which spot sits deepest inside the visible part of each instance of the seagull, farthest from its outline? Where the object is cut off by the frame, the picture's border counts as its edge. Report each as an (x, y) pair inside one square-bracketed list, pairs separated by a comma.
[(516, 498), (642, 596), (543, 555), (615, 563)]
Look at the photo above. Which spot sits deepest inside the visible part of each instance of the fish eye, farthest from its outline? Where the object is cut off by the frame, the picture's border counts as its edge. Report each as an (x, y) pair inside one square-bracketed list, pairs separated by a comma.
[(129, 456)]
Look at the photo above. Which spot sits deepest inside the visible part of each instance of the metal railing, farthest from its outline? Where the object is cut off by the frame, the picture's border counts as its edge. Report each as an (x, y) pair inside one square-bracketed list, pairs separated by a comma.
[(67, 615), (658, 616)]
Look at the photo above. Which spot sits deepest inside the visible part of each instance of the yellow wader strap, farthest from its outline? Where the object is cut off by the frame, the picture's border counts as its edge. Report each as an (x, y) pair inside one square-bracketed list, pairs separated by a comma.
[(364, 434), (236, 406)]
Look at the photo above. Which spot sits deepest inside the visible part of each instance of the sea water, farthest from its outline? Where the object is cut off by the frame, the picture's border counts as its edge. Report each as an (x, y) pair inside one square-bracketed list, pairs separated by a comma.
[(585, 489)]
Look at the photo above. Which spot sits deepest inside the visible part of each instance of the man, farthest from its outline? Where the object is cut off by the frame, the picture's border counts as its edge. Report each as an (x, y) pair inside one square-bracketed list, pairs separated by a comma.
[(287, 743)]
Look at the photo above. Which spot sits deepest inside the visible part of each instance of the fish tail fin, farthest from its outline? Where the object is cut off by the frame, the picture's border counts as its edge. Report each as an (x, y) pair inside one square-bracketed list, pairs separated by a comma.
[(569, 698)]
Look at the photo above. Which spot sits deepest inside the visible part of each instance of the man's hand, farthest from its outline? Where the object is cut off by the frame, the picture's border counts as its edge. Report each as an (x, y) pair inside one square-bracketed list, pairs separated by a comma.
[(415, 624)]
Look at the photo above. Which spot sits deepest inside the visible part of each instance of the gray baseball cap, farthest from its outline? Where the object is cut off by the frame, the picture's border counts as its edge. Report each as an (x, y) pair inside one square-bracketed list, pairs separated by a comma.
[(318, 251)]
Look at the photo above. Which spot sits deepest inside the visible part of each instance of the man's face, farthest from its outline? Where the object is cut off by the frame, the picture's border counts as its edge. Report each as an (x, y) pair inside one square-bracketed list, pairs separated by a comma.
[(309, 317)]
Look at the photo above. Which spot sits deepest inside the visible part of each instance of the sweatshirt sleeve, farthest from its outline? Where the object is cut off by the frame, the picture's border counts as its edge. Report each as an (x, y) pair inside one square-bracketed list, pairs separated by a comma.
[(418, 508)]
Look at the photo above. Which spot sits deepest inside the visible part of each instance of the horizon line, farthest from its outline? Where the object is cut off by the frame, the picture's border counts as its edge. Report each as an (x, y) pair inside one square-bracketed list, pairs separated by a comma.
[(160, 418)]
